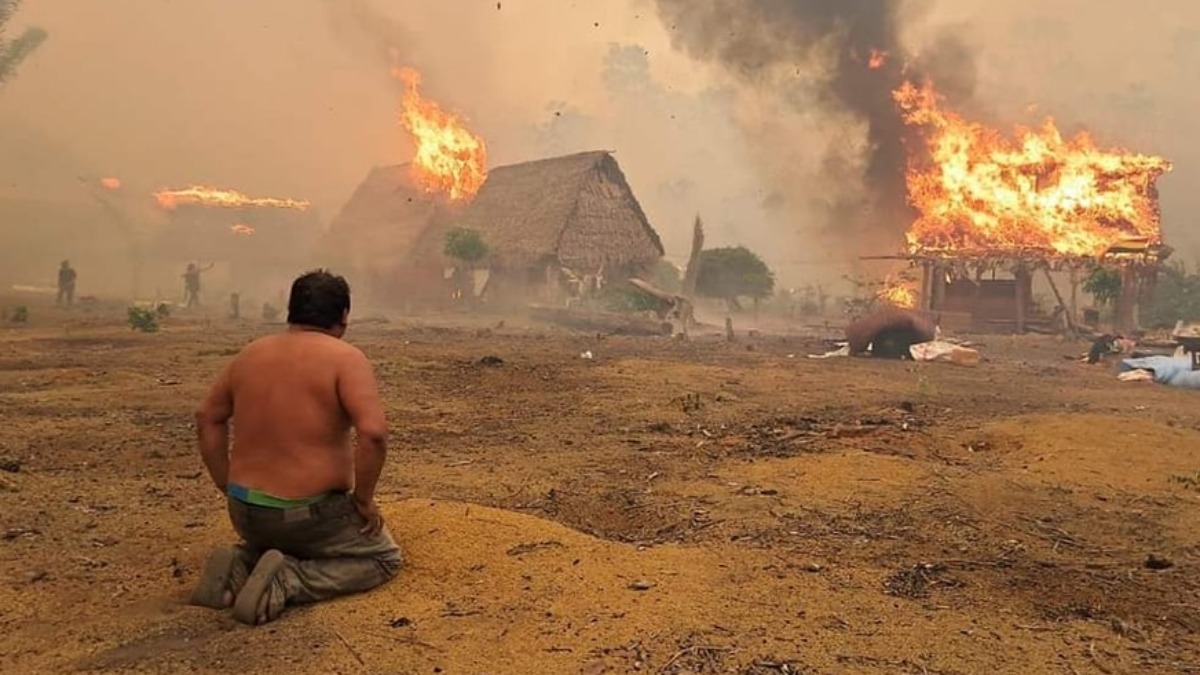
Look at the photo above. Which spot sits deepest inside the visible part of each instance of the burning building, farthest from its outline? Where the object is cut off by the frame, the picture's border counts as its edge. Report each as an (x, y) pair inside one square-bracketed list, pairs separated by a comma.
[(576, 212), (993, 211), (536, 219)]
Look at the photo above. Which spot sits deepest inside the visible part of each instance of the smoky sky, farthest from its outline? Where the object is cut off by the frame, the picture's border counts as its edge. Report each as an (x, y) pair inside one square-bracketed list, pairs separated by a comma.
[(818, 54)]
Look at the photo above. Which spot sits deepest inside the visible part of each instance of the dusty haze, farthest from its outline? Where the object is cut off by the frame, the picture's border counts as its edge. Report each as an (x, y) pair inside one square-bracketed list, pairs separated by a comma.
[(286, 98)]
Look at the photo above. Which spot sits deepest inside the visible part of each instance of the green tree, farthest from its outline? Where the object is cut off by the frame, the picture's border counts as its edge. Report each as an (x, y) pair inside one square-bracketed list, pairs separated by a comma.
[(734, 272), (1176, 298), (465, 246), (16, 50), (467, 249), (1104, 285)]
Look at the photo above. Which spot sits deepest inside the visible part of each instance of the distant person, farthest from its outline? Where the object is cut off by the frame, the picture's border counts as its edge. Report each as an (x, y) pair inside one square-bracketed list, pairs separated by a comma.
[(191, 284), (302, 499), (66, 284)]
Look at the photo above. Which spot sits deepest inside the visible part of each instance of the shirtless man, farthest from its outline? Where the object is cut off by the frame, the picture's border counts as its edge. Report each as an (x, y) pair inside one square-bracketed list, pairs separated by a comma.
[(300, 496)]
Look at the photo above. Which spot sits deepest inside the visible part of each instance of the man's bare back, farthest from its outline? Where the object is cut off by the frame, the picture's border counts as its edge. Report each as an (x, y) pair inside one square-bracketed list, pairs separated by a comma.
[(294, 396)]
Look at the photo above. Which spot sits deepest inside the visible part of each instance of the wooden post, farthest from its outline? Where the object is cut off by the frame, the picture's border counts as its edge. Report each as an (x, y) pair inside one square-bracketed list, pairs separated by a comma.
[(1067, 317), (926, 300), (1023, 283), (1125, 316), (939, 286), (1074, 308)]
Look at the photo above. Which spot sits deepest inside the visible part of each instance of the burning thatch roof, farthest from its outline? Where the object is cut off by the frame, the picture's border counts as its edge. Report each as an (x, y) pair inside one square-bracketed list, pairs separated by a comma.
[(578, 209), (383, 220)]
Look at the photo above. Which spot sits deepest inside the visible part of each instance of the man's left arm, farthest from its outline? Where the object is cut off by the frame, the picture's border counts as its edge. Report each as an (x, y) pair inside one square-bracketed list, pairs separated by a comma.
[(212, 429)]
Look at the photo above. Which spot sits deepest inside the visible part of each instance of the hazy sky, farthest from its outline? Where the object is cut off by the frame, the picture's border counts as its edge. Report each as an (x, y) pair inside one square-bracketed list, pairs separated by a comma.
[(274, 98)]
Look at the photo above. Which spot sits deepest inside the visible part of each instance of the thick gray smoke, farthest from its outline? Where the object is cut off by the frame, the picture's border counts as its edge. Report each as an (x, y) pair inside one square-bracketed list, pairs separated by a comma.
[(839, 56)]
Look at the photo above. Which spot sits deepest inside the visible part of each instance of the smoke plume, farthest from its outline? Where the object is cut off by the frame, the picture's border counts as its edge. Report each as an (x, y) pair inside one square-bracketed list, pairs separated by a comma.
[(831, 58)]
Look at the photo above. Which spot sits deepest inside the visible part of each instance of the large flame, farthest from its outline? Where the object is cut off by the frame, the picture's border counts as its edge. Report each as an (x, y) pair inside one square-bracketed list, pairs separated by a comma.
[(449, 159), (231, 199), (977, 191)]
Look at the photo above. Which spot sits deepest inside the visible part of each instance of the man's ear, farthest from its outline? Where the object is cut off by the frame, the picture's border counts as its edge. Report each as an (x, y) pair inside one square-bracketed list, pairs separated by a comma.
[(346, 318)]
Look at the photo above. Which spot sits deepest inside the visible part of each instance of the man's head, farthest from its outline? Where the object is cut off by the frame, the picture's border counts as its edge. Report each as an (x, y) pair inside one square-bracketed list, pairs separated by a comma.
[(322, 300), (66, 264), (191, 267)]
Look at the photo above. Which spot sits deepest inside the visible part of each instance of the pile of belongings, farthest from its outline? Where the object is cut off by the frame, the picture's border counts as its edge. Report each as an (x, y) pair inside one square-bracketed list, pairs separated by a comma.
[(1173, 371), (896, 333), (1107, 345)]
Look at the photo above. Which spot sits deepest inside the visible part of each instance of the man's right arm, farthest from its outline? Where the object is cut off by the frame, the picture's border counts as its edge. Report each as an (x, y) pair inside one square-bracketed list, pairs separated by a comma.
[(359, 395)]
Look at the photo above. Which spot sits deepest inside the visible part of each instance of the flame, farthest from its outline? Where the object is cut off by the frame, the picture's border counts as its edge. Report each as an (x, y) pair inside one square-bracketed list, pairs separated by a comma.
[(111, 183), (978, 191), (449, 159), (230, 199), (877, 59), (242, 229), (898, 294)]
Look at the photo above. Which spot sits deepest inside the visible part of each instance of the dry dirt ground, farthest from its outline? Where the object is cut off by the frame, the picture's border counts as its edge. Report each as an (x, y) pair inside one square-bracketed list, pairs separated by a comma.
[(664, 507)]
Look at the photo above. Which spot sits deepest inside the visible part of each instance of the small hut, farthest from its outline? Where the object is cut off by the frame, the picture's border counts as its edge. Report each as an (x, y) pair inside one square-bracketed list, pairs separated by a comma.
[(376, 232), (574, 215)]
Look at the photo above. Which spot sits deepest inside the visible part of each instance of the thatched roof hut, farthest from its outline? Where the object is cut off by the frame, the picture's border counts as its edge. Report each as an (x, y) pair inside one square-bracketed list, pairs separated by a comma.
[(577, 211), (382, 222)]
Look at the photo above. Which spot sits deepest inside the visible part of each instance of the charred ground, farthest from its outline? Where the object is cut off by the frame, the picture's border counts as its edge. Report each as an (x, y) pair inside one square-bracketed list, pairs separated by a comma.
[(665, 507)]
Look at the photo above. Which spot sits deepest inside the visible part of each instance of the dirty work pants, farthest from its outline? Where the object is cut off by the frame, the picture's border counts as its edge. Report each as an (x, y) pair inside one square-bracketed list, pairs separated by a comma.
[(326, 555)]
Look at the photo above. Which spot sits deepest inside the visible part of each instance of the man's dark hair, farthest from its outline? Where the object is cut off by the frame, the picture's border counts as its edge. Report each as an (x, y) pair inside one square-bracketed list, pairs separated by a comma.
[(319, 298)]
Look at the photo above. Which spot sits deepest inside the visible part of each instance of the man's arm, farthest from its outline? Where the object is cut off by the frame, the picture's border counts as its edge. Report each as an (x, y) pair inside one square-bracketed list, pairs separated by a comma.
[(212, 429), (359, 396)]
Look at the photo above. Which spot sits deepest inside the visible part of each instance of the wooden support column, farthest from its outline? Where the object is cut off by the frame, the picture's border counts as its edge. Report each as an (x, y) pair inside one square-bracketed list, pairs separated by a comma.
[(925, 302), (939, 286), (1024, 284)]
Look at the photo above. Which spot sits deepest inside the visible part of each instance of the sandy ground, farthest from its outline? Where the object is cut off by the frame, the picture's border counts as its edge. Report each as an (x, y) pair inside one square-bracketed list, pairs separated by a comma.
[(665, 507)]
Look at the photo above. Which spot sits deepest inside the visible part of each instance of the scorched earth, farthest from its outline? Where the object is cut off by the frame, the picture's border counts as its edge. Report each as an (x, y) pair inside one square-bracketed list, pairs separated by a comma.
[(664, 507)]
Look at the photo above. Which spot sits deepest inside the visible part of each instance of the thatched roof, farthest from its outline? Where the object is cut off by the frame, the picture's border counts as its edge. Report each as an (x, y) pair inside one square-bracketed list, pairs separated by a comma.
[(578, 209), (383, 220)]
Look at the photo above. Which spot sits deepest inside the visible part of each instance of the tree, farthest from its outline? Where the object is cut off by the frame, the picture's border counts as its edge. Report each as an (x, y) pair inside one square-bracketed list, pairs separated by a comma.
[(13, 52), (1176, 298), (734, 272), (467, 248), (1104, 285)]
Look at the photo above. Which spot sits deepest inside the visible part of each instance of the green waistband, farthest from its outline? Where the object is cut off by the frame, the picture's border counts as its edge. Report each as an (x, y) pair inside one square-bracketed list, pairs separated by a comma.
[(260, 498)]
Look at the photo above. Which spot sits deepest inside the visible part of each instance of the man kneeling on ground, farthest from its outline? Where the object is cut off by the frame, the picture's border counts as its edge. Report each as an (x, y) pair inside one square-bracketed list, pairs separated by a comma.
[(299, 496)]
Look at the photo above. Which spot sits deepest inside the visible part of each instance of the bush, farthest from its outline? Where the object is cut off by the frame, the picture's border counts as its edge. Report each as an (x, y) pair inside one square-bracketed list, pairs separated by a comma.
[(20, 315), (143, 320), (625, 297)]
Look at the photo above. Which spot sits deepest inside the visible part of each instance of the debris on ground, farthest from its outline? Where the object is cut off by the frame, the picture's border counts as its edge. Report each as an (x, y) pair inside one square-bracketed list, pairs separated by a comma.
[(1154, 562), (947, 352), (1173, 371), (890, 333), (491, 361)]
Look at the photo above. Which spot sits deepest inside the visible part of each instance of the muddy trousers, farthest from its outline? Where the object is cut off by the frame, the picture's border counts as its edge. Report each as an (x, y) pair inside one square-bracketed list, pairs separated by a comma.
[(326, 555)]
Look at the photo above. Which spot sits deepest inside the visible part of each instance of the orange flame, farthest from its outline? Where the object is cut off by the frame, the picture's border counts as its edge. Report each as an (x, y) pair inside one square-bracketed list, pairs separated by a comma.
[(449, 159), (230, 199), (898, 294), (977, 191), (111, 183), (242, 229), (877, 59)]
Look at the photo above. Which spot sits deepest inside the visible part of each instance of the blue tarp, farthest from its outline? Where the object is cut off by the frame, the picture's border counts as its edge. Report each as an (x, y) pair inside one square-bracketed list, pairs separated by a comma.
[(1173, 371)]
